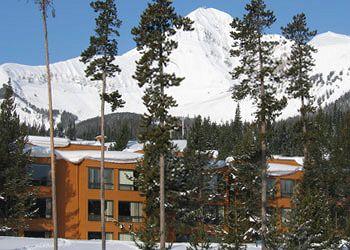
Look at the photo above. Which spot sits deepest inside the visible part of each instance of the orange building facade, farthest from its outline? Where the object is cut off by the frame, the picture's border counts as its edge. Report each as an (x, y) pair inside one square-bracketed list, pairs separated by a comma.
[(77, 181), (281, 184)]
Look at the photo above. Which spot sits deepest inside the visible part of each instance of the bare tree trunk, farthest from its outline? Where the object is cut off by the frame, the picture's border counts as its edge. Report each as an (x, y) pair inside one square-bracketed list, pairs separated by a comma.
[(263, 158), (162, 174), (52, 145), (162, 202), (263, 184), (303, 121), (102, 180)]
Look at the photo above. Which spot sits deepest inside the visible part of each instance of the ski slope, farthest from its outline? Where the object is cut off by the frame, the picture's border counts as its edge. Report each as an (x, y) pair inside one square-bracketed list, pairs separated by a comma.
[(202, 58)]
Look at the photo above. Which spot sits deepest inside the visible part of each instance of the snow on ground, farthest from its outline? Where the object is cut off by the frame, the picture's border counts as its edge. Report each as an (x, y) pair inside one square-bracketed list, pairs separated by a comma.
[(12, 243)]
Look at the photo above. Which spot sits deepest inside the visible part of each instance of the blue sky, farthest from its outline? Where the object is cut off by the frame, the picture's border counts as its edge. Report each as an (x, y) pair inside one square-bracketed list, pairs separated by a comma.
[(21, 32)]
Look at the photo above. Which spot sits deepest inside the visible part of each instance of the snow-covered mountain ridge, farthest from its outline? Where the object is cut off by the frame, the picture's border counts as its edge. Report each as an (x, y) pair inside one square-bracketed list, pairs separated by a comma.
[(202, 58)]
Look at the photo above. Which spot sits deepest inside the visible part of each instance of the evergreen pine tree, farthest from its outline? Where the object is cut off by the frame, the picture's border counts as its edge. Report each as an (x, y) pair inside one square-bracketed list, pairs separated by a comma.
[(230, 136), (196, 193), (341, 159), (311, 222), (99, 57), (243, 214), (158, 24), (122, 138), (300, 64), (71, 131), (275, 238), (16, 192), (238, 131), (257, 74)]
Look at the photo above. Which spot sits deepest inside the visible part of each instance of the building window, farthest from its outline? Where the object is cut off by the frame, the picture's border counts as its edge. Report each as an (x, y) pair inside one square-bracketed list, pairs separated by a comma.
[(125, 237), (287, 187), (126, 180), (42, 208), (37, 234), (40, 174), (94, 210), (94, 178), (285, 216), (98, 236), (271, 187), (130, 211)]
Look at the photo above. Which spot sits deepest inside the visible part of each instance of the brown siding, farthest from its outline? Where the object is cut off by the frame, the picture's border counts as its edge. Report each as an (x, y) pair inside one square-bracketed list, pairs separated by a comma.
[(72, 199), (73, 195), (79, 147)]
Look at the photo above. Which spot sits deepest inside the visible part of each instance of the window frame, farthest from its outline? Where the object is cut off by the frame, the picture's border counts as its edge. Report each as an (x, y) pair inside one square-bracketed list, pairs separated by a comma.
[(287, 194), (100, 233), (108, 185), (131, 219), (122, 233), (271, 187), (132, 187), (35, 234), (40, 182), (98, 216), (48, 209)]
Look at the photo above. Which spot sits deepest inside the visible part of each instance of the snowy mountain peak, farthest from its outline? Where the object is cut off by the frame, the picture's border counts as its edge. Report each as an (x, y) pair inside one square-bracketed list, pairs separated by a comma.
[(212, 15), (204, 60), (330, 38)]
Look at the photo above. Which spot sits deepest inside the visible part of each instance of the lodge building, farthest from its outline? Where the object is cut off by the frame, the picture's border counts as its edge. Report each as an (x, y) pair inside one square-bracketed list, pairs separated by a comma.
[(77, 181)]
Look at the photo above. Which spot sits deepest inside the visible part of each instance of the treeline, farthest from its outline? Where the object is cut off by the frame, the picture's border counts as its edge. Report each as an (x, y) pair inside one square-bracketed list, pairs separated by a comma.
[(65, 128), (284, 136)]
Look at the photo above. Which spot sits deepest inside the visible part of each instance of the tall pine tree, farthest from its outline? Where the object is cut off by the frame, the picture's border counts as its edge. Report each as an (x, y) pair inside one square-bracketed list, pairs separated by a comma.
[(159, 22), (311, 227), (99, 57), (311, 223), (243, 213), (195, 189), (16, 192), (44, 6), (300, 64), (257, 74)]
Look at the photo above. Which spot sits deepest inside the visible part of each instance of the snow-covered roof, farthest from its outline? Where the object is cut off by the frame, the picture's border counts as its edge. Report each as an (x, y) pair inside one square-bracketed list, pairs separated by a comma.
[(44, 141), (134, 146), (277, 169), (78, 156), (37, 151), (297, 159), (86, 142)]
